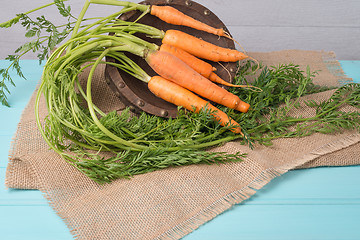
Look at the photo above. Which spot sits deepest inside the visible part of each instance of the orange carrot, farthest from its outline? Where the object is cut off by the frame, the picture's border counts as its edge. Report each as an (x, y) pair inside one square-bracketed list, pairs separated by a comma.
[(173, 16), (200, 66), (173, 93), (172, 68), (201, 48), (195, 63), (216, 79)]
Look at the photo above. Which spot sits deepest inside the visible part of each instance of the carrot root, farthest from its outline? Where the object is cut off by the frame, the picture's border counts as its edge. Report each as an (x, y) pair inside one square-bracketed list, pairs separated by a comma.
[(215, 78), (201, 48), (173, 93), (195, 63), (173, 16)]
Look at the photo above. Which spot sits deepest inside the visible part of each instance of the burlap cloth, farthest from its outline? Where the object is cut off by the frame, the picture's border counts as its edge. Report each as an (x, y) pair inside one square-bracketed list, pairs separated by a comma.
[(170, 203)]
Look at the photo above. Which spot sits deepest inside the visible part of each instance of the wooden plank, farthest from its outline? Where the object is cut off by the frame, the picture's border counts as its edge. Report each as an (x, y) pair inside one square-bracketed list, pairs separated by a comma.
[(236, 13), (351, 69), (320, 13), (5, 143), (274, 38), (259, 25), (18, 197), (31, 223), (263, 39), (283, 222), (287, 190), (302, 204), (9, 122), (276, 221)]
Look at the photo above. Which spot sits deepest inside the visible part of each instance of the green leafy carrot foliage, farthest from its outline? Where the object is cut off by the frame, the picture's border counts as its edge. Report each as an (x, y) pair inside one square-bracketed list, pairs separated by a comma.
[(110, 145), (282, 88)]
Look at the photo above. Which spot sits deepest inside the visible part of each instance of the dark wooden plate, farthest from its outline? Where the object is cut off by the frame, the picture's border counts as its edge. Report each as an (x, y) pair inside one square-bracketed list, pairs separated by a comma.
[(133, 92)]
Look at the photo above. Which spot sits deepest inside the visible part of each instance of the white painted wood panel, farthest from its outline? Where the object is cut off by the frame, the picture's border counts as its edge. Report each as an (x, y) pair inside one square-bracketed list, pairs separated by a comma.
[(291, 13), (260, 25)]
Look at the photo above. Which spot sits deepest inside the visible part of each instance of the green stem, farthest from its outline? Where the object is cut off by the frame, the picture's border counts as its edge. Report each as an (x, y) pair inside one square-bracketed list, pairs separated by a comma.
[(20, 56), (13, 21), (135, 40), (79, 20), (86, 134), (38, 121), (289, 134), (82, 91), (150, 31), (128, 66), (100, 22), (93, 114), (333, 108), (140, 7), (81, 51), (206, 144), (38, 8), (133, 48), (138, 139)]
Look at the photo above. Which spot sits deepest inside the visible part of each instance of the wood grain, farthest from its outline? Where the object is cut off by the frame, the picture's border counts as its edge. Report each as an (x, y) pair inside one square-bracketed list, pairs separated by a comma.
[(259, 25)]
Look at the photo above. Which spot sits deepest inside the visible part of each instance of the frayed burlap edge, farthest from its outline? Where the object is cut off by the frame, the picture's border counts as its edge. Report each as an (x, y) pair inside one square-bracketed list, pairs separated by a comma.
[(334, 67), (221, 206), (11, 178)]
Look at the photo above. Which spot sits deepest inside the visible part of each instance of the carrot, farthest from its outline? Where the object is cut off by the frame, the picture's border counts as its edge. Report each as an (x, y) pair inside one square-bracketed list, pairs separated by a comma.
[(172, 68), (216, 79), (173, 16), (201, 48), (166, 13), (173, 93), (202, 67)]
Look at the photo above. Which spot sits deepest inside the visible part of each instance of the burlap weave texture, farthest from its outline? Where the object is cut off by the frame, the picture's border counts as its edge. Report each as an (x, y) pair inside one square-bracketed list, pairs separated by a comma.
[(170, 203)]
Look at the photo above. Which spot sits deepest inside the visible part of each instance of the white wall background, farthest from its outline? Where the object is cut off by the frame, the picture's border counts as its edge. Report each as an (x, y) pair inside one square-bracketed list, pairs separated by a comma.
[(259, 25)]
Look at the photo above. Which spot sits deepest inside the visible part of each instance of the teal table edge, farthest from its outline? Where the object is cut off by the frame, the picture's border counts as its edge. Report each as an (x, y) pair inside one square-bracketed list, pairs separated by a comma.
[(318, 203)]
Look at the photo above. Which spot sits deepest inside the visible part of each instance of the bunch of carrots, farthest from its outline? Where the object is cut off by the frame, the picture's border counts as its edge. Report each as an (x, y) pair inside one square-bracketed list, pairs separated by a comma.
[(184, 79)]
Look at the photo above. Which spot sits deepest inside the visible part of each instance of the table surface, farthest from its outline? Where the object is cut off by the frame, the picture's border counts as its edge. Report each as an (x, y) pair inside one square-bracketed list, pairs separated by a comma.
[(318, 203)]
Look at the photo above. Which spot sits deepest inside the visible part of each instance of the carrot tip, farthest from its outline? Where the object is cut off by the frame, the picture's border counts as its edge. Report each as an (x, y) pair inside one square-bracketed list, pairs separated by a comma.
[(243, 107), (237, 130)]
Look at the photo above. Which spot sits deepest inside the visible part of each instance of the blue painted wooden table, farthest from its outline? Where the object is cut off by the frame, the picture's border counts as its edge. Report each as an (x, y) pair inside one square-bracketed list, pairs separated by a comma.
[(320, 203)]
